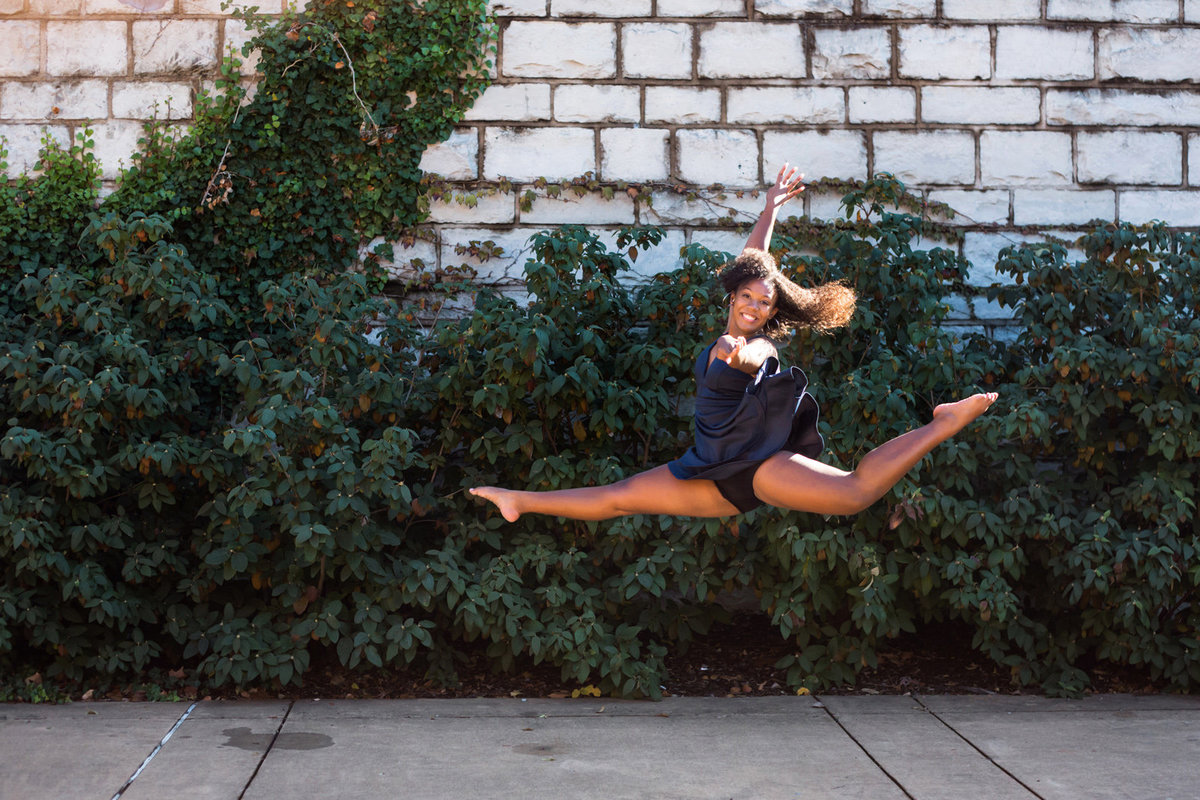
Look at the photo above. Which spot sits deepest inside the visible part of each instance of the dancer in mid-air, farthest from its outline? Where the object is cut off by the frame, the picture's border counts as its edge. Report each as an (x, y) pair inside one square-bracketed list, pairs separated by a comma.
[(756, 425)]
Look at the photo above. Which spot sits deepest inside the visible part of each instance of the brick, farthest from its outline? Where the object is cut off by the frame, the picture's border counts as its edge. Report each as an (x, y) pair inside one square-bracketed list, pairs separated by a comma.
[(803, 8), (1029, 158), (882, 104), (137, 100), (819, 154), (861, 53), (138, 7), (505, 268), (672, 208), (83, 99), (899, 8), (54, 8), (174, 45), (1130, 157), (701, 8), (524, 154), (1150, 54), (982, 249), (1180, 208), (8, 7), (597, 103), (454, 159), (116, 143), (1062, 206), (979, 105), (928, 51), (656, 50), (824, 205), (518, 102), (213, 8), (991, 10), (926, 156), (1191, 10), (662, 258), (980, 207), (519, 8), (1118, 10), (498, 208), (559, 50), (728, 157), (682, 105), (728, 242), (1193, 142), (591, 209), (1114, 107), (24, 142), (634, 154), (407, 259), (1044, 53), (86, 48), (605, 8), (752, 50), (237, 35), (785, 105)]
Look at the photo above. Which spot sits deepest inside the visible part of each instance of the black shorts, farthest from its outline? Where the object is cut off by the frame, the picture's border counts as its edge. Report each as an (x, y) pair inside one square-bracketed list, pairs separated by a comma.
[(738, 489)]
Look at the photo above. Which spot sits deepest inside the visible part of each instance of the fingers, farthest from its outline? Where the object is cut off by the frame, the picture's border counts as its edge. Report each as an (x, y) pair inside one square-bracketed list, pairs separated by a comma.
[(738, 344)]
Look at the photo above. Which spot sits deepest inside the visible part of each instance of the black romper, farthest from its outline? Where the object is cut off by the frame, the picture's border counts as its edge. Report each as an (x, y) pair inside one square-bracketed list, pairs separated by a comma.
[(742, 420)]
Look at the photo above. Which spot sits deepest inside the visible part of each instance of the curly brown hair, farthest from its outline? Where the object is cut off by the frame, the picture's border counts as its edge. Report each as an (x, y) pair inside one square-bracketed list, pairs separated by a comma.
[(821, 308)]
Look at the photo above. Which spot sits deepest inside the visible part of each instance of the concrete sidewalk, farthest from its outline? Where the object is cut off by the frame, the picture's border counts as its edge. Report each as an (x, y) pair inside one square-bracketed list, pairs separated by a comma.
[(980, 748)]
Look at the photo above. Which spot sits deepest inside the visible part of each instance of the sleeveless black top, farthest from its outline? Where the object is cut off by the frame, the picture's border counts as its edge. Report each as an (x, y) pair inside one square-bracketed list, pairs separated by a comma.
[(741, 420)]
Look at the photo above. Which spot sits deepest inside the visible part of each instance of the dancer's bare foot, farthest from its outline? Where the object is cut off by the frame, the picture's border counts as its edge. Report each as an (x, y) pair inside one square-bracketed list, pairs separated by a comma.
[(956, 416), (504, 499)]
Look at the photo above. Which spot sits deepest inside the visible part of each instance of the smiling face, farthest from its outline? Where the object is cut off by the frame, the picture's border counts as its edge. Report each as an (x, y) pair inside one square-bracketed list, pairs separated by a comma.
[(752, 305)]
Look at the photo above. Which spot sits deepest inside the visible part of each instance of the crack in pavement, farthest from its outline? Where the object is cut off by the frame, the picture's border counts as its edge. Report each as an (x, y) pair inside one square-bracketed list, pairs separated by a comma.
[(267, 752)]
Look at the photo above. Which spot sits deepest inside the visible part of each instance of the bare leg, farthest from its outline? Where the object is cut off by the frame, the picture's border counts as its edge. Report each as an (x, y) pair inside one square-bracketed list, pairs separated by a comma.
[(655, 491), (792, 481)]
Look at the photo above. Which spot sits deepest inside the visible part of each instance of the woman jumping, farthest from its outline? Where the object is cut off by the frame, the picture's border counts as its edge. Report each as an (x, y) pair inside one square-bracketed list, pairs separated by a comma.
[(756, 425)]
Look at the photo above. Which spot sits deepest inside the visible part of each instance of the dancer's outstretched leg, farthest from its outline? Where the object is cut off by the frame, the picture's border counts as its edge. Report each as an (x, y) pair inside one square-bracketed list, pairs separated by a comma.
[(655, 491), (789, 480)]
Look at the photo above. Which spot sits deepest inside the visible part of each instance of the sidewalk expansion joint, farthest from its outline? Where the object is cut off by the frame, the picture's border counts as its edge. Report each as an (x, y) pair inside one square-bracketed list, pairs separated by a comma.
[(976, 748), (866, 752), (153, 752), (267, 752)]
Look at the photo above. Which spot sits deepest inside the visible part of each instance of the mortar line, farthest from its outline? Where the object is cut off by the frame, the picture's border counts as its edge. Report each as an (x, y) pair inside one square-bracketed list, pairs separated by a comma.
[(866, 752), (153, 752), (976, 748), (270, 746)]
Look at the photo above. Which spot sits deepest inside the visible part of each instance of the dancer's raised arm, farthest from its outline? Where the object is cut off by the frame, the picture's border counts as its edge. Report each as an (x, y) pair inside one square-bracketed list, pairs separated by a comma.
[(788, 184)]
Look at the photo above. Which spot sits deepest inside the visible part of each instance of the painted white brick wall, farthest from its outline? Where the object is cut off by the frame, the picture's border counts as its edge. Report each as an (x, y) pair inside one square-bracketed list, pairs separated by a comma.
[(1025, 158), (1120, 107), (786, 105), (657, 50), (1022, 113), (977, 105), (818, 154), (559, 50), (752, 50), (881, 104), (728, 157), (525, 154), (935, 52), (862, 53), (635, 154), (935, 157), (1025, 52), (803, 8), (1130, 157)]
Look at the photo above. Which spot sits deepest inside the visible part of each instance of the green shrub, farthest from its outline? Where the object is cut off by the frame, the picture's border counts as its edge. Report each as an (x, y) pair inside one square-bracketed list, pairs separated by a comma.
[(223, 452)]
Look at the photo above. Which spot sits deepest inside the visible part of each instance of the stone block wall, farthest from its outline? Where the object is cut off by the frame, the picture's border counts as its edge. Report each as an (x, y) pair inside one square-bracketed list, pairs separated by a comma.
[(1024, 115)]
